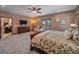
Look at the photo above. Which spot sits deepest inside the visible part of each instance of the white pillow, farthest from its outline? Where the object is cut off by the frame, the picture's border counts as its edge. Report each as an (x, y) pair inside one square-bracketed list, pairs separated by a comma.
[(68, 34), (76, 33)]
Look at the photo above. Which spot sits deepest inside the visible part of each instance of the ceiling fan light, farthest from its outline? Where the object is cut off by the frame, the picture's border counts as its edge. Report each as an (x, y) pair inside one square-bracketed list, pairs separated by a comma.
[(34, 12)]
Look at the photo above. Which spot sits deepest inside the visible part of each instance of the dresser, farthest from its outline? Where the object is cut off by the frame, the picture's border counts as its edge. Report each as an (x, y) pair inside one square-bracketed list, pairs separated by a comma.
[(23, 29)]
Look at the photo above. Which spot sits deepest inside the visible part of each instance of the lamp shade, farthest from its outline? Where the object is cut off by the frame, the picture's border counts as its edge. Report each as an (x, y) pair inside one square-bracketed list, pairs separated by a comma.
[(73, 25)]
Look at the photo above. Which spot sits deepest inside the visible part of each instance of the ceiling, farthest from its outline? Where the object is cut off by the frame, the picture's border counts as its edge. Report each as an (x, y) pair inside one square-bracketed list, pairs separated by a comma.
[(46, 9)]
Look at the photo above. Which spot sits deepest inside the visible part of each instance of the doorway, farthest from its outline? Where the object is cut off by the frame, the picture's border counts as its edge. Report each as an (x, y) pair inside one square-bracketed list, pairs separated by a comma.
[(6, 27), (78, 23)]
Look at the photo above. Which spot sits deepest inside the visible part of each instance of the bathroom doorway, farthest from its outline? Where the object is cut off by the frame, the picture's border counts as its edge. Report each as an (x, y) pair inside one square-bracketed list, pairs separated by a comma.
[(6, 27)]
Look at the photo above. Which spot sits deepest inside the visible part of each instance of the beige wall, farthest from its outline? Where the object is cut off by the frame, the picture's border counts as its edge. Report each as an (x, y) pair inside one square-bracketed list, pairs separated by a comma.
[(65, 16), (68, 17), (77, 16), (34, 22), (15, 18)]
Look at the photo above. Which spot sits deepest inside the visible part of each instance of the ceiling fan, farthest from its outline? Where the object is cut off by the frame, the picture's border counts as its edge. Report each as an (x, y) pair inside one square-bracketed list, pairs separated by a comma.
[(34, 10)]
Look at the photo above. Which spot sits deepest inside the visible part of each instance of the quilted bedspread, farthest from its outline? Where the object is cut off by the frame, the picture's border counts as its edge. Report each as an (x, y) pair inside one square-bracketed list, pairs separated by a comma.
[(54, 42)]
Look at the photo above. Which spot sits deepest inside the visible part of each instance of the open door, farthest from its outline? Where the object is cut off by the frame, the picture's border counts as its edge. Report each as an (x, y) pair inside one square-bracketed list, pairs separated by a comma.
[(6, 27)]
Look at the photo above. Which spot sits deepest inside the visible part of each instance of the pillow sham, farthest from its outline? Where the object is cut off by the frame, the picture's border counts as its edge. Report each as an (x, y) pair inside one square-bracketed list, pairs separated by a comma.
[(76, 36), (68, 35)]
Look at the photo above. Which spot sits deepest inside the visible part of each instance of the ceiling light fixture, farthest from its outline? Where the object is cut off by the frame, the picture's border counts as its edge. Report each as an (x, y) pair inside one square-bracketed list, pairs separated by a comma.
[(3, 6), (34, 12)]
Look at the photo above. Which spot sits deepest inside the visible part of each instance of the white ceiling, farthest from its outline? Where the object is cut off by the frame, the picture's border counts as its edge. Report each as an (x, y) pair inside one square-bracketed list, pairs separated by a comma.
[(46, 9)]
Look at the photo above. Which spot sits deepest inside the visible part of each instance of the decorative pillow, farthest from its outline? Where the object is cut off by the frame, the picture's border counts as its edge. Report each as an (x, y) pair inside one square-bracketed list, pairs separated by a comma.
[(76, 36), (76, 39), (68, 34)]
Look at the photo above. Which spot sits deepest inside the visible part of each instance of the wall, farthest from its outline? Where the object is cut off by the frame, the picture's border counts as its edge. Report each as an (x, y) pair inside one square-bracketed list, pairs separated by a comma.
[(77, 16), (35, 21), (65, 16), (15, 18), (68, 17)]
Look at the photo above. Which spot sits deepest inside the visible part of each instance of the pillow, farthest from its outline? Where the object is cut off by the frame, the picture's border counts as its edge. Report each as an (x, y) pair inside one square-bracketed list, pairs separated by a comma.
[(76, 39), (76, 36), (68, 34)]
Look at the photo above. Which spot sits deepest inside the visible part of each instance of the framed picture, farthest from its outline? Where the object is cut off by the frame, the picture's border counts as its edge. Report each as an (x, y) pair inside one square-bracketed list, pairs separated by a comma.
[(62, 21), (57, 19)]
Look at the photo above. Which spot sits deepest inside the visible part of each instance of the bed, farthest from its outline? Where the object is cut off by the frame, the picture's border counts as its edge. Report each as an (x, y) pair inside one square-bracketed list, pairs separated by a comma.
[(53, 42)]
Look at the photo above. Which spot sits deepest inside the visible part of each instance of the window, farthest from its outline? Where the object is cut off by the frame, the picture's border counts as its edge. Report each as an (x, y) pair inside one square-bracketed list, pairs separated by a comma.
[(46, 23)]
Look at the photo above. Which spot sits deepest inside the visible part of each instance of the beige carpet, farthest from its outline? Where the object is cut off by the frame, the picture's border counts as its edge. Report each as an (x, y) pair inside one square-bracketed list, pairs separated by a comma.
[(16, 44)]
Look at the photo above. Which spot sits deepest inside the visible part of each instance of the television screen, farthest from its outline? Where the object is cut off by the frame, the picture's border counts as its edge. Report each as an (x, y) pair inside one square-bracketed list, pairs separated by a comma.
[(23, 22)]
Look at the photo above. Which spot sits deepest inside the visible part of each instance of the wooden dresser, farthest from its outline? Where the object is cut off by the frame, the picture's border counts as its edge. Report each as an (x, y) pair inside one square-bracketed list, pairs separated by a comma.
[(23, 29)]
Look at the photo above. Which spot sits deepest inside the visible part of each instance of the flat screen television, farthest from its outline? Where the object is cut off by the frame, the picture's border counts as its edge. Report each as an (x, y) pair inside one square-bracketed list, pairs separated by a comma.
[(23, 22)]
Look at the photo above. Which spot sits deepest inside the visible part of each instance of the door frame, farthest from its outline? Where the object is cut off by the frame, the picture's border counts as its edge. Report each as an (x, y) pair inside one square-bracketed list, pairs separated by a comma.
[(76, 21), (0, 24)]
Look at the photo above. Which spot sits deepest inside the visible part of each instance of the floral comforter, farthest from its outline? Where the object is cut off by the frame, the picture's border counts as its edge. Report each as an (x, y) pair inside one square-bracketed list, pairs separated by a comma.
[(54, 42)]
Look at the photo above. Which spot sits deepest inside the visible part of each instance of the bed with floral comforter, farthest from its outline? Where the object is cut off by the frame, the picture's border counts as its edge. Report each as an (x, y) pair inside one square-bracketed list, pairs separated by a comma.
[(54, 42)]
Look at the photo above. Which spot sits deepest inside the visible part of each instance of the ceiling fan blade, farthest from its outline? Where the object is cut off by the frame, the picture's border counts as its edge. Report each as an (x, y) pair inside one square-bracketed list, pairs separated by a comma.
[(30, 9), (33, 8), (29, 12), (38, 9), (38, 12)]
